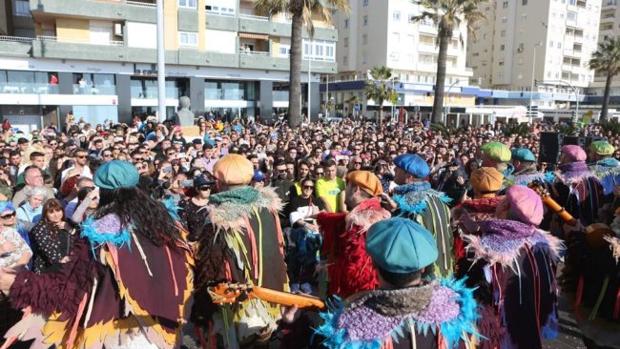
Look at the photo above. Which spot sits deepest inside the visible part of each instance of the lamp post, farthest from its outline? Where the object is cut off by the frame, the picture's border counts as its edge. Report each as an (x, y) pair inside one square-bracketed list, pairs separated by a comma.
[(533, 77), (450, 88), (161, 63), (392, 79)]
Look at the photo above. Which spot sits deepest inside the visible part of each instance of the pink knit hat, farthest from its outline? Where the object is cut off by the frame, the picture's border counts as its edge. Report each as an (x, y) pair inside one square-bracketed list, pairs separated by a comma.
[(574, 153), (524, 204)]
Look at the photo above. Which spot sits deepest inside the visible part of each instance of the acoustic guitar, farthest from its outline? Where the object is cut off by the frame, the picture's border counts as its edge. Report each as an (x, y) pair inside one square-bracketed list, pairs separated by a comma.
[(228, 293)]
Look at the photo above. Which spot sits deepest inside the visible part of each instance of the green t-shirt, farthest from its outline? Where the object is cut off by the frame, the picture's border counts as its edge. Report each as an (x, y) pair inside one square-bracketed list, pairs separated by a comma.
[(329, 191)]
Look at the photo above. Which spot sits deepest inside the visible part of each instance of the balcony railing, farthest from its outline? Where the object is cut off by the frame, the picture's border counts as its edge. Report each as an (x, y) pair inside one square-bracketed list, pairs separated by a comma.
[(258, 18), (93, 90), (28, 88), (254, 53), (74, 41), (146, 3), (15, 38), (220, 13)]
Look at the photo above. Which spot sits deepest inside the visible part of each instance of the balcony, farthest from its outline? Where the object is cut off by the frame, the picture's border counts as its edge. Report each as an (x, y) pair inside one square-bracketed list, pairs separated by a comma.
[(28, 88), (133, 10), (15, 46), (94, 90), (263, 25)]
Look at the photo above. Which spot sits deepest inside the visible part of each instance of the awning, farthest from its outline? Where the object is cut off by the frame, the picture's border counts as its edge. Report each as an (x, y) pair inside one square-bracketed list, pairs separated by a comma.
[(253, 36)]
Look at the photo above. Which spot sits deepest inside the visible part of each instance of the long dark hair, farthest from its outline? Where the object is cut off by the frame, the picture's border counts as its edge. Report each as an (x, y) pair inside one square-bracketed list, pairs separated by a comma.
[(147, 216)]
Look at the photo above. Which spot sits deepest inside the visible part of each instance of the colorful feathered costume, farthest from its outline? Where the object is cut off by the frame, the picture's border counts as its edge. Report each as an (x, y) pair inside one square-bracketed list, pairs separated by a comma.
[(608, 172), (513, 265), (350, 268), (119, 290), (437, 315), (479, 209), (243, 243), (579, 191), (428, 207)]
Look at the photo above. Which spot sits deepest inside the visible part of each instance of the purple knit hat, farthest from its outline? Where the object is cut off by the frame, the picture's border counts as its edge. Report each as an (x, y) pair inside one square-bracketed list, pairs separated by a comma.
[(524, 204), (574, 153)]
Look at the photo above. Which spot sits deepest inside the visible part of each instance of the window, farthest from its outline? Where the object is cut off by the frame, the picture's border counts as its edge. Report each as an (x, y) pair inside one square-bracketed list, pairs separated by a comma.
[(571, 15), (365, 20), (364, 39), (285, 50), (396, 38), (502, 47), (572, 2), (365, 3), (501, 63), (502, 33), (188, 39), (396, 16), (319, 50), (345, 60), (524, 2), (22, 8), (346, 23), (505, 4), (187, 3), (346, 42)]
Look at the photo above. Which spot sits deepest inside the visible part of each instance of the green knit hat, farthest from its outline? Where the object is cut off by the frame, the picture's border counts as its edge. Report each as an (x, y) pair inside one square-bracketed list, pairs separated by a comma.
[(116, 174), (496, 151), (602, 148)]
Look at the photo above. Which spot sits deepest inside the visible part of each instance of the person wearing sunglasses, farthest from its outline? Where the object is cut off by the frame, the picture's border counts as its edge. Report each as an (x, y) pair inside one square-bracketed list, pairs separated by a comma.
[(304, 238), (80, 166), (193, 211)]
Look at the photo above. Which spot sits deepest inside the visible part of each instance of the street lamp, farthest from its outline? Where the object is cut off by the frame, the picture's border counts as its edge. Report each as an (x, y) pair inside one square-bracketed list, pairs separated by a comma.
[(161, 63), (393, 78), (533, 76), (449, 106)]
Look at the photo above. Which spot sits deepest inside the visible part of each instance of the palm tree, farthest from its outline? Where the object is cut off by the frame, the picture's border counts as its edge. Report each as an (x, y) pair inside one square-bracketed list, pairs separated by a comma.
[(447, 15), (606, 60), (301, 12), (379, 89)]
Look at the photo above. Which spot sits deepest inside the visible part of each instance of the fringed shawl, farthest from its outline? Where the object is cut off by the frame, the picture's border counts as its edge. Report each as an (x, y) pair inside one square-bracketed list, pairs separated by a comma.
[(366, 214), (573, 172), (608, 172), (230, 209), (527, 178), (502, 241), (370, 321), (413, 198)]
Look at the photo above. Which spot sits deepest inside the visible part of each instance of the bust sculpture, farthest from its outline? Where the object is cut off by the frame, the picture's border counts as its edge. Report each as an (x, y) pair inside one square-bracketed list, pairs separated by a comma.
[(185, 117)]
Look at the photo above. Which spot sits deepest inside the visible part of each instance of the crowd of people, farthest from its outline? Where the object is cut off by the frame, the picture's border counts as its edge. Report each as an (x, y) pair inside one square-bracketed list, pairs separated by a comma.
[(119, 235)]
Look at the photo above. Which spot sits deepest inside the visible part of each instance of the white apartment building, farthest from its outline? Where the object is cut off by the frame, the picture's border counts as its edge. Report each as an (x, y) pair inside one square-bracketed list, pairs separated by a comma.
[(609, 28), (382, 32), (550, 41)]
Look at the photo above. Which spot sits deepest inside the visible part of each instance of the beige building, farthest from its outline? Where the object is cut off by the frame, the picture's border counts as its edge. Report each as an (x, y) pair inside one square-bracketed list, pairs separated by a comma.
[(96, 58), (550, 41)]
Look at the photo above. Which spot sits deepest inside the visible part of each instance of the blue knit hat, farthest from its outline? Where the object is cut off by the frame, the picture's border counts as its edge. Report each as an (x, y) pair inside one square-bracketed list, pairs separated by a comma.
[(412, 164), (401, 246), (116, 174), (523, 154)]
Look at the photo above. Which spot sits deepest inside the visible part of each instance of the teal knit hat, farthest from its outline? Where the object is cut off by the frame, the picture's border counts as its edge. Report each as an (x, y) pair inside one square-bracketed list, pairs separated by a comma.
[(523, 154), (399, 245), (116, 174)]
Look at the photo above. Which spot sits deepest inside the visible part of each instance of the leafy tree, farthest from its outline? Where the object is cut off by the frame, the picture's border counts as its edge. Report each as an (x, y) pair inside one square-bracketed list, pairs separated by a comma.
[(606, 60), (447, 16), (301, 12), (379, 88)]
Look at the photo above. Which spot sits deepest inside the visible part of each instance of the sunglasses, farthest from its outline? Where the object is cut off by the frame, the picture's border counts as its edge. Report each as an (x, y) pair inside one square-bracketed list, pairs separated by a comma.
[(107, 155), (81, 156), (7, 216), (308, 186), (204, 188)]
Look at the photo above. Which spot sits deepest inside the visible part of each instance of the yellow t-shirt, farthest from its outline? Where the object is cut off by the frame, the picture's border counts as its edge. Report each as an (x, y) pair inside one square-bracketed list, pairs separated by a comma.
[(329, 191)]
